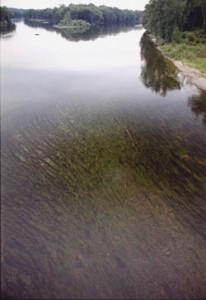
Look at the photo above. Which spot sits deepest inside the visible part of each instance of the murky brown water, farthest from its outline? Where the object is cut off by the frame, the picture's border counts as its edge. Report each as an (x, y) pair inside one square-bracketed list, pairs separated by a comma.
[(103, 169)]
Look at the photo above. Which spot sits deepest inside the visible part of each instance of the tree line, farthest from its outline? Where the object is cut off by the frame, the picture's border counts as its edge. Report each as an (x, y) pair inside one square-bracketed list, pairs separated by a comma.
[(6, 19), (94, 15), (164, 17)]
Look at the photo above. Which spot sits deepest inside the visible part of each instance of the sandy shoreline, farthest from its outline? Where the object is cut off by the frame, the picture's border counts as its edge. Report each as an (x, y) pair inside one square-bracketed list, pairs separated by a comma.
[(193, 75)]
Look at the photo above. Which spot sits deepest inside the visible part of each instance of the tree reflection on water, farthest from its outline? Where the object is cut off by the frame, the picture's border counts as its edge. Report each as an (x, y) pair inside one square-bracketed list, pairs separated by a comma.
[(83, 33), (198, 105), (161, 75), (158, 73)]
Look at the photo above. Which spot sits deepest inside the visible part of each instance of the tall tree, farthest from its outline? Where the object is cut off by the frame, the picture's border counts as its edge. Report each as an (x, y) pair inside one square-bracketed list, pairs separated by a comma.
[(5, 19), (162, 17)]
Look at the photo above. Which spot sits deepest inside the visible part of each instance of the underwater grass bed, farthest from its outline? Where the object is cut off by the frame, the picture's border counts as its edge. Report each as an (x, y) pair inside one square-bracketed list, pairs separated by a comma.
[(100, 208)]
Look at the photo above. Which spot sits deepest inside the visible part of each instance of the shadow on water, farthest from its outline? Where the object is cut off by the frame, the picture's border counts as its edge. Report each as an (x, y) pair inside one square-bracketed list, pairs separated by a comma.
[(158, 73), (82, 34), (92, 33), (198, 105), (4, 31)]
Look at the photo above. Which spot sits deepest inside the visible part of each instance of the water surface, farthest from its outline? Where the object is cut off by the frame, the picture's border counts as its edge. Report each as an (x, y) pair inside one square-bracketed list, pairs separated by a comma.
[(103, 169)]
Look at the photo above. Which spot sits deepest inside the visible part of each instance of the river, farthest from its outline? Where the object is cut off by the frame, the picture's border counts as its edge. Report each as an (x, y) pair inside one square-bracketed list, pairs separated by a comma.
[(103, 168)]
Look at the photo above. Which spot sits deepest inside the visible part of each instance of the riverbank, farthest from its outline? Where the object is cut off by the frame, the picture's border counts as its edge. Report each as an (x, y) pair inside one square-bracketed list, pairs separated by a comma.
[(190, 59), (6, 26), (71, 27), (194, 76)]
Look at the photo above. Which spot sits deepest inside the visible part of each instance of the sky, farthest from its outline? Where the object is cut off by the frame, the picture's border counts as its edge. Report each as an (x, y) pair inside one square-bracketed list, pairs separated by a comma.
[(124, 4)]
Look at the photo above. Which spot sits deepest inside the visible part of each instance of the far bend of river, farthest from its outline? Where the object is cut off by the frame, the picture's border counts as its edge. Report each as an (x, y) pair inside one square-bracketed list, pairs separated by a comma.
[(103, 169)]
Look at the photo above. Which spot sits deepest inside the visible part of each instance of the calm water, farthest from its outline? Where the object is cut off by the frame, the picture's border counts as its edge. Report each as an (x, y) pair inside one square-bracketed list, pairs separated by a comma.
[(103, 168)]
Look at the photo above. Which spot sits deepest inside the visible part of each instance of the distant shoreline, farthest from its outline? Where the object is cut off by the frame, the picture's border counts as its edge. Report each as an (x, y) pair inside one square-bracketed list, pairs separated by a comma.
[(71, 26)]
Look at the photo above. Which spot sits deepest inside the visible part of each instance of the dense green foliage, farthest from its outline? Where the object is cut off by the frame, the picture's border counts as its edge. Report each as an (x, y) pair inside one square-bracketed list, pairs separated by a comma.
[(91, 14), (5, 19), (165, 18), (18, 12)]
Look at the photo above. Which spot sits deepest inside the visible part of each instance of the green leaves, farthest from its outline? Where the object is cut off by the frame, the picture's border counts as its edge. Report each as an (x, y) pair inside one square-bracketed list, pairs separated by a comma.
[(94, 15), (163, 17), (5, 19)]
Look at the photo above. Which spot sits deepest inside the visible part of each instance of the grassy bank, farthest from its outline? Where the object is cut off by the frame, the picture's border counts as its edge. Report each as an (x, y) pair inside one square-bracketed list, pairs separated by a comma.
[(188, 47)]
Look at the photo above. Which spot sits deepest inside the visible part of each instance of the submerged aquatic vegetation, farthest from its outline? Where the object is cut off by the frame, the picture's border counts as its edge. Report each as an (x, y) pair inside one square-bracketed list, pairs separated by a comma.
[(103, 187), (98, 201)]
